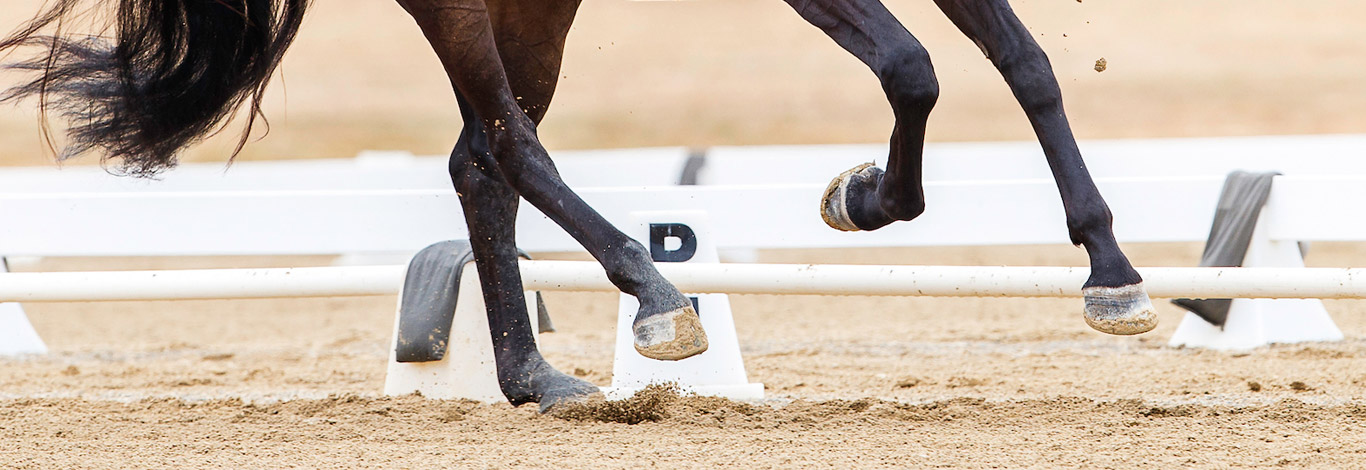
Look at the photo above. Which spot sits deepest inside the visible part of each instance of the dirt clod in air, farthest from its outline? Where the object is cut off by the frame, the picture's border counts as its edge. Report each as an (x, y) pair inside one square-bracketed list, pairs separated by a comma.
[(1254, 386), (649, 404), (1298, 386), (1100, 64)]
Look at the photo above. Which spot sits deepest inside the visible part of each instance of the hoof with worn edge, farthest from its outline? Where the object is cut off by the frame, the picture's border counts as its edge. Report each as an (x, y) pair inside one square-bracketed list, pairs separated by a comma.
[(539, 382), (579, 393), (670, 336), (835, 201), (1123, 310)]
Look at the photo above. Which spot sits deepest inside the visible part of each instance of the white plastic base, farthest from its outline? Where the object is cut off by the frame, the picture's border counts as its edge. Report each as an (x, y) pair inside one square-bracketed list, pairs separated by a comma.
[(1258, 322), (17, 336), (467, 371), (720, 371)]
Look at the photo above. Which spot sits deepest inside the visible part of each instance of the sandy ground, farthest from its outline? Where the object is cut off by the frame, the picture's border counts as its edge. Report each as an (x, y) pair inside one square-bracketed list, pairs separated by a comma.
[(852, 381)]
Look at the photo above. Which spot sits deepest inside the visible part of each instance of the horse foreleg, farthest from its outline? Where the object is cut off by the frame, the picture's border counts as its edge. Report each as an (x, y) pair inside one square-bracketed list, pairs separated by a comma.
[(490, 207), (867, 197), (1115, 300), (460, 31)]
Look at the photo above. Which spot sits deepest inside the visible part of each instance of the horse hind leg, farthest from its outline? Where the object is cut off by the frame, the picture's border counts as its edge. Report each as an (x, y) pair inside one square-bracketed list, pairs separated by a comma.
[(1116, 302), (867, 197)]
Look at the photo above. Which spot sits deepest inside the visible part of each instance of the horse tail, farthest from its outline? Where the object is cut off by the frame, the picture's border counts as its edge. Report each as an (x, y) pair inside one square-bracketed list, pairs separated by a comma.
[(174, 73)]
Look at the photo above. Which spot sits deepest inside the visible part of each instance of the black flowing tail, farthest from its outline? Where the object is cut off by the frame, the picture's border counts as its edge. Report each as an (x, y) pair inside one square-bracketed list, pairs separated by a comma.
[(175, 72)]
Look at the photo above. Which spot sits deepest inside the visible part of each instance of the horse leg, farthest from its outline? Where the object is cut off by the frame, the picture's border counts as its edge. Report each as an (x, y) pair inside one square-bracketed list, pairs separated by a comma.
[(463, 35), (866, 197), (1115, 300), (490, 207)]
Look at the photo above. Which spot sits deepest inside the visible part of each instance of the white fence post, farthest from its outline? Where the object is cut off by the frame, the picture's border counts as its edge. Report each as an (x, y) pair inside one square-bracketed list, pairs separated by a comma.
[(17, 335), (467, 370), (720, 371), (1259, 322)]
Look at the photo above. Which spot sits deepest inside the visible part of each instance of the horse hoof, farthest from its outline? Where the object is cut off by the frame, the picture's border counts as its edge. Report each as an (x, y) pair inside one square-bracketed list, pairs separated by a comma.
[(835, 201), (670, 336), (571, 393), (1123, 310)]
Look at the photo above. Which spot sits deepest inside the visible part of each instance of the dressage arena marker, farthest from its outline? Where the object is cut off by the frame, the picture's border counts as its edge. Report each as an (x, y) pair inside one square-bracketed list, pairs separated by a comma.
[(1260, 321), (16, 333), (720, 371), (467, 370)]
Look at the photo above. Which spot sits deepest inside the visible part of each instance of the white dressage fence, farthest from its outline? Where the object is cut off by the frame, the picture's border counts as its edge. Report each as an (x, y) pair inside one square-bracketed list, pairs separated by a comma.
[(332, 207), (962, 213)]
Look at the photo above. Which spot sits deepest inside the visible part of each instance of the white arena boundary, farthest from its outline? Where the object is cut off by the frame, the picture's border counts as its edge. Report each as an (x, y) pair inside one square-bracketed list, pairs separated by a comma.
[(978, 194), (785, 279), (730, 165), (963, 213), (1300, 208)]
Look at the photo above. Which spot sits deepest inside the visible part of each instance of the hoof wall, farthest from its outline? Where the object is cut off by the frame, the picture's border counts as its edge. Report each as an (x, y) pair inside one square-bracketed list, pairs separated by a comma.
[(1123, 310), (558, 399), (835, 201), (671, 336)]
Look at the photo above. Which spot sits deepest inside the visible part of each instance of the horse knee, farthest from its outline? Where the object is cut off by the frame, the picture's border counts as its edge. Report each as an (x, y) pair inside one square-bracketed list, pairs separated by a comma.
[(519, 156), (461, 163), (477, 177), (908, 79)]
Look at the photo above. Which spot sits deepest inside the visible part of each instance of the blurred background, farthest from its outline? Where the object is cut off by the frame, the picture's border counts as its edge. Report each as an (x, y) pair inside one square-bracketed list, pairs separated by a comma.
[(710, 72)]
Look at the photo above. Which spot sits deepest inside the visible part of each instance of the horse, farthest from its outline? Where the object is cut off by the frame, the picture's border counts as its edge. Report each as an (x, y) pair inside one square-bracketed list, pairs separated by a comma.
[(176, 71)]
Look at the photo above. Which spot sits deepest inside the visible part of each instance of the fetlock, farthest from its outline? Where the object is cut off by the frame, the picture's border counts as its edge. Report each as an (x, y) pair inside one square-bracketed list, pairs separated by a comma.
[(851, 202)]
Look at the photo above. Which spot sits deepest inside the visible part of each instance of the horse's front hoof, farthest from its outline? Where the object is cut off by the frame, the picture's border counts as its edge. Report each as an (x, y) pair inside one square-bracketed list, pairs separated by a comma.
[(1124, 310), (835, 201), (670, 336)]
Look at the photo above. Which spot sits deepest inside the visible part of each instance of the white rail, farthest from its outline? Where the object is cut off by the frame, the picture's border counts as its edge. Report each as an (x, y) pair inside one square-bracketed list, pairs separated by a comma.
[(799, 279)]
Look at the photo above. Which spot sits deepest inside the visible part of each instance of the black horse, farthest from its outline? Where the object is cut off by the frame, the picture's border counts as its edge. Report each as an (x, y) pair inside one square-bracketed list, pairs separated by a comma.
[(175, 71)]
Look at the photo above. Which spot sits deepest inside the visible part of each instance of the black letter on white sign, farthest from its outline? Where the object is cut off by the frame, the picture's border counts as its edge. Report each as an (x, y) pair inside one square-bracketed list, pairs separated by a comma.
[(686, 249)]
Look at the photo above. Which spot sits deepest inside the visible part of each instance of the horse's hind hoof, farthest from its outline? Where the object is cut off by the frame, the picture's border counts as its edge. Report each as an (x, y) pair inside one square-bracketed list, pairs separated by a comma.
[(670, 336), (1124, 310), (835, 201)]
